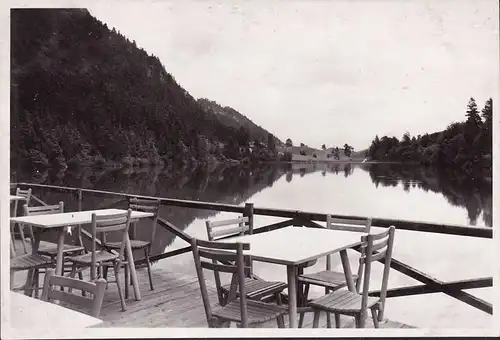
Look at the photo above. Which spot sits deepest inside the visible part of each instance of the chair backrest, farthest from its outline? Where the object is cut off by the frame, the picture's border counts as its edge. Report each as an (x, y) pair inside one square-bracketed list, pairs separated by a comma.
[(44, 209), (238, 264), (93, 303), (218, 229), (102, 224), (356, 225), (223, 230), (376, 247), (23, 193), (146, 205)]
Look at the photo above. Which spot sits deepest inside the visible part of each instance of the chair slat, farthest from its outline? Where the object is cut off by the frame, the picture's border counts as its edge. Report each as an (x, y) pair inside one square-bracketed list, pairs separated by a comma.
[(378, 256), (143, 207), (113, 227), (73, 283), (378, 236), (224, 232), (143, 201), (221, 245), (224, 223), (85, 302), (380, 245), (47, 209), (362, 226), (219, 256), (224, 268)]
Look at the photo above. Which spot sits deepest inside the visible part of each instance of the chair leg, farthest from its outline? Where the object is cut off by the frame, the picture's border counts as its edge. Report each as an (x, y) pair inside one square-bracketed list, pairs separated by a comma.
[(127, 275), (146, 253), (304, 303), (360, 320), (12, 279), (328, 314), (105, 274), (80, 276), (280, 321), (32, 236), (12, 237), (316, 318), (337, 320), (117, 279), (21, 231), (375, 317), (36, 283)]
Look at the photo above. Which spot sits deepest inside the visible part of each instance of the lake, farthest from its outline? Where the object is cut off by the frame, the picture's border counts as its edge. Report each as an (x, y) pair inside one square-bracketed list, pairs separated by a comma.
[(373, 190)]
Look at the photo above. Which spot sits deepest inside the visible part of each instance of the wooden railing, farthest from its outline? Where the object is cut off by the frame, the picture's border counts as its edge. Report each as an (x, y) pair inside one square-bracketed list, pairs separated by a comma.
[(310, 220)]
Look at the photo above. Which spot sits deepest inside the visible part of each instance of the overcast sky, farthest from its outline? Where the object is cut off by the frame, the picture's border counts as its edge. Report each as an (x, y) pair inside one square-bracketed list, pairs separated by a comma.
[(329, 72)]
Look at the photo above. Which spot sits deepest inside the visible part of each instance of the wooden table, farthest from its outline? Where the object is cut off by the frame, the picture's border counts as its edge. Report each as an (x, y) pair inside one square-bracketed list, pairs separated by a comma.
[(61, 221), (293, 246), (32, 318)]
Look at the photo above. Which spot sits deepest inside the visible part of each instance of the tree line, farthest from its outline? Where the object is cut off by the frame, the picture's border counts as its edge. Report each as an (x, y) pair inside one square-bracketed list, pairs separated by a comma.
[(466, 145)]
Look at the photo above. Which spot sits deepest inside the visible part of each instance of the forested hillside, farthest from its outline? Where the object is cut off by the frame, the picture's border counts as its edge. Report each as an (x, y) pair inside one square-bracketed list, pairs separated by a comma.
[(466, 145), (230, 117), (83, 94)]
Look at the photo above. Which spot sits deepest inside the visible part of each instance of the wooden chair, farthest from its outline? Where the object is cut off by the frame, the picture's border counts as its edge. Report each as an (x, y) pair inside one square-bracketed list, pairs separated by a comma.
[(34, 263), (96, 259), (245, 312), (333, 280), (27, 195), (352, 303), (256, 288), (50, 248), (94, 304), (145, 205)]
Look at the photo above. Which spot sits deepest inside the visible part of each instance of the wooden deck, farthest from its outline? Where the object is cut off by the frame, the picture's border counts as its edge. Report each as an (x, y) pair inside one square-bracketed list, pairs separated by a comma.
[(175, 302)]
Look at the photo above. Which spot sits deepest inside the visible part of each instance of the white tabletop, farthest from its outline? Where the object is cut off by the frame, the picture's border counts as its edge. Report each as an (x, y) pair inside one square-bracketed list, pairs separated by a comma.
[(34, 316), (72, 218), (17, 198), (296, 245)]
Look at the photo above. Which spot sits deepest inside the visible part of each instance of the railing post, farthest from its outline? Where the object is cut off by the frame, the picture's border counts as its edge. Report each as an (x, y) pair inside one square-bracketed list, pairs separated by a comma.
[(248, 212), (79, 196), (80, 199)]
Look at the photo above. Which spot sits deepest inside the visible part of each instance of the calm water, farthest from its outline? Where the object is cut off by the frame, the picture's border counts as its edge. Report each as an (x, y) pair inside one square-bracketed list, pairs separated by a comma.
[(386, 191)]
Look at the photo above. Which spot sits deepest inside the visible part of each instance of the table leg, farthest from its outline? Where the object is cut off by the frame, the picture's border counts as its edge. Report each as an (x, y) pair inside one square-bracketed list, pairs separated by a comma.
[(292, 295), (34, 251), (131, 265), (60, 248), (347, 270)]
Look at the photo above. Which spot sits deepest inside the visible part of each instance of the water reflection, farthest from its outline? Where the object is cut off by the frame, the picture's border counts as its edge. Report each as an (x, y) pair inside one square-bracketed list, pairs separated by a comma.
[(472, 193)]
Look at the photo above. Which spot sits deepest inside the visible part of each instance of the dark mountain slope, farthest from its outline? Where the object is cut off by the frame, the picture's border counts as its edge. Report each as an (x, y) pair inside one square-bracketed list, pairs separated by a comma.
[(83, 94), (230, 117)]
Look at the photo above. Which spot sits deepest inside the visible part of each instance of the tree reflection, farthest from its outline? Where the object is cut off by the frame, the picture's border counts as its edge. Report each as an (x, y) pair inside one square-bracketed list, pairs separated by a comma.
[(230, 185), (471, 192)]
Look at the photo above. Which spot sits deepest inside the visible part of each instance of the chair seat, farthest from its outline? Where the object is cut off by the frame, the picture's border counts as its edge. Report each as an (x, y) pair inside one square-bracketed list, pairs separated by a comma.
[(326, 278), (101, 256), (134, 244), (257, 311), (49, 248), (342, 301), (29, 261), (257, 289)]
